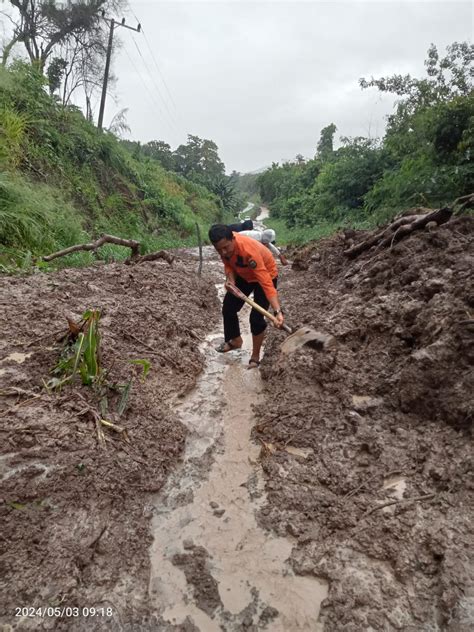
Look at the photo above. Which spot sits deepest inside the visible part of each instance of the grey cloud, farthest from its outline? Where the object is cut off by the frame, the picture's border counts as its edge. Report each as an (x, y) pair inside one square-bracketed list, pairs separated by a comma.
[(261, 79)]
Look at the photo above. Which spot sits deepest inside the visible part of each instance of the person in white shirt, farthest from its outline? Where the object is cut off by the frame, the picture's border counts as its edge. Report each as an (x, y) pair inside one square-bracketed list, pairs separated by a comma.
[(267, 238)]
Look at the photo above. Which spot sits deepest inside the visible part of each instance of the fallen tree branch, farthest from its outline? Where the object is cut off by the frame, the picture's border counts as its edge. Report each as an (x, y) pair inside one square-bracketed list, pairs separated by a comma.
[(440, 217), (398, 229), (370, 479), (152, 256), (103, 239), (134, 245), (463, 202), (109, 424), (95, 541)]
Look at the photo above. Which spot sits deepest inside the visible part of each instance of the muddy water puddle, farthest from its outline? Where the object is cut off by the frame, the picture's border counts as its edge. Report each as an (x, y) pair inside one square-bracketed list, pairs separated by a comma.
[(395, 485), (19, 358), (227, 571)]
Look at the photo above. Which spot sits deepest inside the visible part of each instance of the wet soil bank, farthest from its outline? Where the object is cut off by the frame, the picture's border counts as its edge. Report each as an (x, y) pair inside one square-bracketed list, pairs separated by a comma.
[(381, 505), (75, 518)]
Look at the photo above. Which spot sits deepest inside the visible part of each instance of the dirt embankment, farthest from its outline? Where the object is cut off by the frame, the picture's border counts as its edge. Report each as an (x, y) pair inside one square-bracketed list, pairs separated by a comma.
[(382, 506), (74, 529)]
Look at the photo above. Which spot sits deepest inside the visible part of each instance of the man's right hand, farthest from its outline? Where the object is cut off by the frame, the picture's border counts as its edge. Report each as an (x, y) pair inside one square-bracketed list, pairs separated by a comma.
[(279, 320)]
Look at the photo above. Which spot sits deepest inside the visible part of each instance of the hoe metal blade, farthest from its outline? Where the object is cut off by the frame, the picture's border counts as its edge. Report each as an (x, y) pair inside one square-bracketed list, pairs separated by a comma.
[(307, 336)]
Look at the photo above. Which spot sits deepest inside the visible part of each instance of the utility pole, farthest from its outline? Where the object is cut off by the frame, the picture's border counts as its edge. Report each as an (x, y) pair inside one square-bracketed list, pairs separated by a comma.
[(113, 25)]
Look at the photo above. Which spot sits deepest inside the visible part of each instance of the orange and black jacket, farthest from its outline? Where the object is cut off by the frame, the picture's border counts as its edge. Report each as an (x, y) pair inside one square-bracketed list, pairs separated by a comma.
[(253, 262)]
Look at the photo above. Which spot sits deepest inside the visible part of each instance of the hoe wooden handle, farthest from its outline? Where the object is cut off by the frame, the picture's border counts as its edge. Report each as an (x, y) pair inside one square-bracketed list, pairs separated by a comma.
[(236, 292)]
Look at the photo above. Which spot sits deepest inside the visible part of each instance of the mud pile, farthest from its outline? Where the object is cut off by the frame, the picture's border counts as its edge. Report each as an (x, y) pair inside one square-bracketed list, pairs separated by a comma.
[(75, 528), (367, 447)]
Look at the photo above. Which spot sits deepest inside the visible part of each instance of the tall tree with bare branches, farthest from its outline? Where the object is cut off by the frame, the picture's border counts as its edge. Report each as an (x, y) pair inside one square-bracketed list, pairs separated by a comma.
[(65, 40)]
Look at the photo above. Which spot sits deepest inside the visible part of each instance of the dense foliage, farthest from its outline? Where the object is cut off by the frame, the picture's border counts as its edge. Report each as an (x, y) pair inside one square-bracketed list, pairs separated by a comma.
[(62, 181), (198, 161), (425, 157)]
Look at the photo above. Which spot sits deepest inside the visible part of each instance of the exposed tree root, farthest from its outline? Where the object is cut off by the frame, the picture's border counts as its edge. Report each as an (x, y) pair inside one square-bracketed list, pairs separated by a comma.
[(400, 228)]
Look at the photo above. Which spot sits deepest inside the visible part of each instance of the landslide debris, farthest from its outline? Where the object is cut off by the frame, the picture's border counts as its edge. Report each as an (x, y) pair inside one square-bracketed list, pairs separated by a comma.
[(75, 517), (371, 466)]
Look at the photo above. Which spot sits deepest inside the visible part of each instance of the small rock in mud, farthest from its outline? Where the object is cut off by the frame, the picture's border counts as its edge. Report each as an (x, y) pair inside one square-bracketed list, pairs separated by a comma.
[(362, 403)]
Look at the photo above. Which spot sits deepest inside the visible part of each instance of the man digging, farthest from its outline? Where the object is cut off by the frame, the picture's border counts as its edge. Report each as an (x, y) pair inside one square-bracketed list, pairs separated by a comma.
[(250, 266)]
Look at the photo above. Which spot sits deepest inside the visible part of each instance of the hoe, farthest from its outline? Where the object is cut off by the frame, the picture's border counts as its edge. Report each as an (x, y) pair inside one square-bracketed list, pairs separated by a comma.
[(296, 339)]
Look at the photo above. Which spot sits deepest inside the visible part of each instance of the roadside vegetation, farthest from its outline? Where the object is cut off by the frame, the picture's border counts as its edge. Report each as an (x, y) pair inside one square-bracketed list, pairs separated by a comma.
[(63, 182), (424, 159)]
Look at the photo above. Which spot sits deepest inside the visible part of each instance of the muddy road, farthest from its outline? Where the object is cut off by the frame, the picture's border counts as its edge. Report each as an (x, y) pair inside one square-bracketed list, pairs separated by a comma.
[(327, 491)]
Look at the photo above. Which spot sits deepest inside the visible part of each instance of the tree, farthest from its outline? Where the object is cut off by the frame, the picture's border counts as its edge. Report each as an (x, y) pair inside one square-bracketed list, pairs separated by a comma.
[(83, 56), (448, 77), (67, 40), (325, 147), (199, 160), (225, 188), (160, 151), (55, 73)]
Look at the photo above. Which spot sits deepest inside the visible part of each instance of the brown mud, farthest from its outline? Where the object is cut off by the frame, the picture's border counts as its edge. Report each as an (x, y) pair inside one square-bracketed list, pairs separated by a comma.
[(327, 491), (381, 508), (60, 491)]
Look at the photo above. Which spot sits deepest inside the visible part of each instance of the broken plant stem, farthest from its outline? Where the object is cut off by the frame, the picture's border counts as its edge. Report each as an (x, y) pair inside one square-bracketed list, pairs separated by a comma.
[(398, 502), (109, 424)]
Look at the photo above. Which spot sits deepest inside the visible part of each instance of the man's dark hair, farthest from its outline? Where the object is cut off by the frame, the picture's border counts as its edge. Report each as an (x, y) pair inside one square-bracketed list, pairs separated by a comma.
[(218, 232)]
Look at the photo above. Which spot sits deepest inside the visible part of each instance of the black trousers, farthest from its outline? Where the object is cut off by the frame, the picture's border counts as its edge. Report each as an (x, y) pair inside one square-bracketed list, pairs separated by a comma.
[(232, 305)]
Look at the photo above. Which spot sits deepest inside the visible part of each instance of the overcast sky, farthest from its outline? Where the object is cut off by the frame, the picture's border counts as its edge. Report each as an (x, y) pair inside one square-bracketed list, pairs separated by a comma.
[(262, 78)]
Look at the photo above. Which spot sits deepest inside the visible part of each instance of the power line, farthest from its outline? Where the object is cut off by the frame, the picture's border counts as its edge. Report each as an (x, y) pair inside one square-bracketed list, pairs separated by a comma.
[(159, 72), (151, 97), (154, 83), (162, 77), (147, 89)]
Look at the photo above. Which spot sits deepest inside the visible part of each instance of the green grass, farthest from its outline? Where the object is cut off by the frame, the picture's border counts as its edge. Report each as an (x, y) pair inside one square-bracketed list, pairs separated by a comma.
[(62, 182), (299, 236)]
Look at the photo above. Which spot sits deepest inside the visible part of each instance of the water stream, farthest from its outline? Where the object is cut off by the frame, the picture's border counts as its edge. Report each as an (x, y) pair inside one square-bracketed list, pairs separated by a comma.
[(211, 500), (215, 509)]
